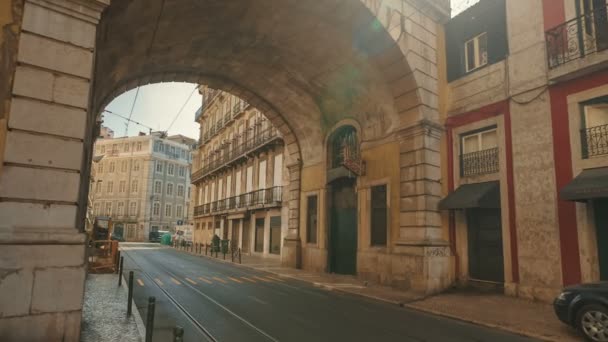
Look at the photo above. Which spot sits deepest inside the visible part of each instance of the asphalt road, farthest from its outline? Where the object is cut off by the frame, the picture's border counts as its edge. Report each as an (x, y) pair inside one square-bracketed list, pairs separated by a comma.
[(218, 301)]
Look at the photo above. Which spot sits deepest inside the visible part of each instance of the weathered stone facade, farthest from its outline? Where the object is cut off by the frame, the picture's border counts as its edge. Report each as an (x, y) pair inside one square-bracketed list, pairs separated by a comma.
[(372, 64)]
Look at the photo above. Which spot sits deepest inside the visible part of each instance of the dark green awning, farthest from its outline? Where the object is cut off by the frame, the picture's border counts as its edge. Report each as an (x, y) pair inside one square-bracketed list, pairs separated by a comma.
[(477, 195), (589, 184)]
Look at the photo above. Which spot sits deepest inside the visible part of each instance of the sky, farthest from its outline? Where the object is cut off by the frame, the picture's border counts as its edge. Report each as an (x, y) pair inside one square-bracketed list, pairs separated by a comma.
[(460, 5), (156, 106)]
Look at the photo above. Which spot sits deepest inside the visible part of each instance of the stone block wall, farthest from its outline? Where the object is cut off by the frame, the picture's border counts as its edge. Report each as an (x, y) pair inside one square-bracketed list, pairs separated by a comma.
[(42, 269)]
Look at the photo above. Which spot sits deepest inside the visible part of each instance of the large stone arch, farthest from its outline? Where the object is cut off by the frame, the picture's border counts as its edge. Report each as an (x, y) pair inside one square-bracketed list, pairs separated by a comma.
[(313, 63)]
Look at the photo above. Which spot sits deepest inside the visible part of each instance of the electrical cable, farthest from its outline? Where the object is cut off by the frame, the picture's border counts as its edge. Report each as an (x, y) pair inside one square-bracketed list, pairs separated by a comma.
[(127, 119), (131, 113), (181, 109)]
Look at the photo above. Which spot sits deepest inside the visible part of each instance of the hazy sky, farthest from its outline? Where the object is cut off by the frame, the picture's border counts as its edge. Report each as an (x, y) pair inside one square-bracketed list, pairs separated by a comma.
[(158, 104)]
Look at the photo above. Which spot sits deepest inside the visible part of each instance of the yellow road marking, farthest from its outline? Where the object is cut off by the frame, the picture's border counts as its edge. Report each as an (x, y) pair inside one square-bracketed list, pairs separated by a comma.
[(191, 281), (236, 280), (220, 280), (141, 283), (205, 280), (159, 282), (175, 281), (263, 279), (277, 279), (249, 280)]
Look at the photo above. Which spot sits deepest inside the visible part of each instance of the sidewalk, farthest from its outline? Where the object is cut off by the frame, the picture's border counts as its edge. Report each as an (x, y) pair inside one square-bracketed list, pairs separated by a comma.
[(512, 314), (104, 316)]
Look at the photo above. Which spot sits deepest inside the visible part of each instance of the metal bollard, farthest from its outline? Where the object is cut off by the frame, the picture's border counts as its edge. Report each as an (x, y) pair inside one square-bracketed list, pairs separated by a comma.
[(117, 261), (206, 248), (120, 271), (178, 334), (224, 252), (130, 297), (150, 318), (239, 255), (232, 255)]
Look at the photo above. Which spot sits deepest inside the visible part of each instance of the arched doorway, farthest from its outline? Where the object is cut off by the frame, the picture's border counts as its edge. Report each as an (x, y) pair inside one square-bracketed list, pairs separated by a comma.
[(343, 150)]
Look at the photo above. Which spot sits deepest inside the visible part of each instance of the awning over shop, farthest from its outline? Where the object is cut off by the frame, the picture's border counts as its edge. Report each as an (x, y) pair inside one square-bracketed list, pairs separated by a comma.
[(478, 195), (589, 184)]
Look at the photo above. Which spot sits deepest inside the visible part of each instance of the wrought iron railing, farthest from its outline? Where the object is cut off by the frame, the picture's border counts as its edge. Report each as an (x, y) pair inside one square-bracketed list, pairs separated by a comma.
[(577, 37), (234, 151), (478, 163), (594, 141), (269, 197)]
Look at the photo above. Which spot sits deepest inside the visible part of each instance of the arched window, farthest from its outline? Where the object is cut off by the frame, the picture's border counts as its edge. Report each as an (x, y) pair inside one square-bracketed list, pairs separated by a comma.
[(343, 147)]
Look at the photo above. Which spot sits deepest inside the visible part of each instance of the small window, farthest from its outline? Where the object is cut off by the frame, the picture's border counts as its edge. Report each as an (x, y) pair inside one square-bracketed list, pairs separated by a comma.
[(479, 141), (136, 165), (121, 208), (476, 52), (170, 169), (98, 187), (157, 187), (159, 166), (156, 209), (594, 130), (112, 167), (379, 215), (168, 209), (123, 166), (170, 189), (110, 187), (180, 190), (100, 168), (179, 211), (311, 219), (133, 209), (122, 186), (139, 146), (134, 186)]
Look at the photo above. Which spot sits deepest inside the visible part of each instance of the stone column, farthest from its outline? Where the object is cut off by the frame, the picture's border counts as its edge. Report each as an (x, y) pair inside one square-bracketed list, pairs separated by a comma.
[(42, 268), (292, 245), (420, 231)]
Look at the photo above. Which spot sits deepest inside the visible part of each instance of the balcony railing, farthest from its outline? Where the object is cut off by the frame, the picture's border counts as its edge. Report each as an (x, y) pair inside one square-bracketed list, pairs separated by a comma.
[(270, 197), (594, 141), (479, 163), (236, 151), (577, 37)]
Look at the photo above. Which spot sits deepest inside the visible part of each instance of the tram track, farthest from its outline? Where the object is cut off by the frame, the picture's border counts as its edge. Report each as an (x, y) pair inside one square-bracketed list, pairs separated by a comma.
[(180, 307), (188, 315)]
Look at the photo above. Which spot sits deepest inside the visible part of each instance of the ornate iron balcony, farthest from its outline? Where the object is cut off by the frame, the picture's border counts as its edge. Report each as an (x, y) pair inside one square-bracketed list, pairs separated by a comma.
[(594, 141), (233, 152), (577, 37), (479, 163), (263, 198)]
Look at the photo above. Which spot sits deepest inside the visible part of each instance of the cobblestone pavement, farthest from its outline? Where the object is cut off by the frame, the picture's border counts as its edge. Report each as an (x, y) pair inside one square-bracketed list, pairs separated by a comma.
[(104, 315)]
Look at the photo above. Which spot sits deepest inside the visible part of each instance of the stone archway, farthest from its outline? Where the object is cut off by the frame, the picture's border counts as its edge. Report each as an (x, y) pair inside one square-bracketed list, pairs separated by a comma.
[(313, 64)]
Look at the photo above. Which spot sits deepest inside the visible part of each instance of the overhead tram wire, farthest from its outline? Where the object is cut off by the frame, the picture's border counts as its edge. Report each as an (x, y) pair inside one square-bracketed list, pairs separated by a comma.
[(128, 120), (131, 113), (181, 109)]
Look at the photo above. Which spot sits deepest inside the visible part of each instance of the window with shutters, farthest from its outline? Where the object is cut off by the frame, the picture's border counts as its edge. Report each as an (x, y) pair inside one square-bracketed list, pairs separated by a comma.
[(476, 52)]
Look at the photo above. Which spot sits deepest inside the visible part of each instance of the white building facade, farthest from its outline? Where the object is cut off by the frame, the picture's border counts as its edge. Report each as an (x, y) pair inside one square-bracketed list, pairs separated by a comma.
[(142, 183)]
